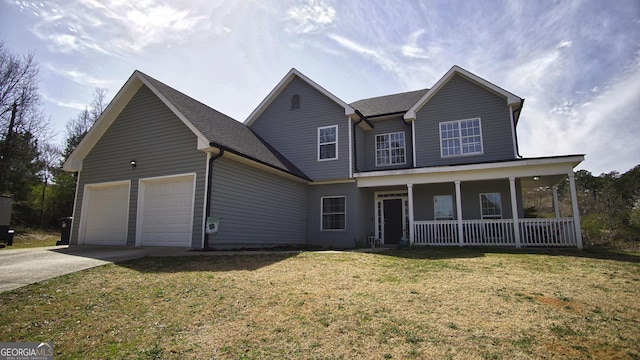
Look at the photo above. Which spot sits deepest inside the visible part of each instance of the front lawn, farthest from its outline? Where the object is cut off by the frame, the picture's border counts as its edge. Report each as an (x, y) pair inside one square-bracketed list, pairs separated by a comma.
[(401, 304)]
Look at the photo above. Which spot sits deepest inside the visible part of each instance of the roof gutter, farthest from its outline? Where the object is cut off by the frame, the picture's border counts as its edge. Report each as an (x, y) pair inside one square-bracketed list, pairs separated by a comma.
[(235, 152), (363, 118)]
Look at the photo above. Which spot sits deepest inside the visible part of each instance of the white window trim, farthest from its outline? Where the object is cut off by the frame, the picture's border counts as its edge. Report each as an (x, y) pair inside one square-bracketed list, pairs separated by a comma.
[(404, 147), (481, 152), (142, 182), (490, 217), (322, 212), (453, 213), (328, 143), (378, 209)]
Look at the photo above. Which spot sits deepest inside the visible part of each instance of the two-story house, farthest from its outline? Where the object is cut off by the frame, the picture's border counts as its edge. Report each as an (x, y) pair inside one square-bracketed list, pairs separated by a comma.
[(438, 166)]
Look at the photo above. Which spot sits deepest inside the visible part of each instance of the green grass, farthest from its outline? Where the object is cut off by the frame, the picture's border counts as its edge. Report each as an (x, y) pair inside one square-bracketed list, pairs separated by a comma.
[(402, 304)]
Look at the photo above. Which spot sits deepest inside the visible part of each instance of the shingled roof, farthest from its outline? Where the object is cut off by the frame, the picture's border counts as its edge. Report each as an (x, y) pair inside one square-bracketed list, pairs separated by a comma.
[(224, 131), (213, 128), (388, 104)]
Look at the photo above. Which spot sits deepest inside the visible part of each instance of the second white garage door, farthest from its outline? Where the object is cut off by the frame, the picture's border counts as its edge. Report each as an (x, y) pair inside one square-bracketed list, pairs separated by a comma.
[(165, 216)]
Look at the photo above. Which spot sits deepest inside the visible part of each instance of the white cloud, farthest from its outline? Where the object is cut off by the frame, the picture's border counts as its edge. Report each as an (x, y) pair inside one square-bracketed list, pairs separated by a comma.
[(311, 17), (411, 49), (564, 44), (121, 27), (604, 126), (382, 57), (85, 79), (66, 104)]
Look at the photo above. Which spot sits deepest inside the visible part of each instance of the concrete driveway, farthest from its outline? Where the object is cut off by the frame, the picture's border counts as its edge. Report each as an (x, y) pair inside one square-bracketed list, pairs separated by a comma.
[(21, 267)]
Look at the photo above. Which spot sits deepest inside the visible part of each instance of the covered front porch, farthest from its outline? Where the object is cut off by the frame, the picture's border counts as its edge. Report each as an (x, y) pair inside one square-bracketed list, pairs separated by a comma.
[(477, 204)]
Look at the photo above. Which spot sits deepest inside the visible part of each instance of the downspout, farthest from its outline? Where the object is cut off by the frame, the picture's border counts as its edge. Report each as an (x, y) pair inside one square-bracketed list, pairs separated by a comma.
[(515, 130), (355, 148), (208, 194)]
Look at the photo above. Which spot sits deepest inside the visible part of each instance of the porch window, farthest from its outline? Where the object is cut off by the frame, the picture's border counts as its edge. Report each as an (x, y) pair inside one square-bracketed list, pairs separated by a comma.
[(390, 149), (491, 205), (333, 213), (461, 137), (328, 143), (443, 207)]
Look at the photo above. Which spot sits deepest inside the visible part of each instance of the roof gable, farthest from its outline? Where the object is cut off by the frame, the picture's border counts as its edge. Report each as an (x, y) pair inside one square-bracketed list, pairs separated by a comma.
[(211, 127), (293, 73), (511, 99)]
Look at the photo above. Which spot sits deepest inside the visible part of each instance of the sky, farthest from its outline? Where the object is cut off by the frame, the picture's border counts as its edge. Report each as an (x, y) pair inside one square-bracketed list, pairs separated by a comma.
[(576, 63)]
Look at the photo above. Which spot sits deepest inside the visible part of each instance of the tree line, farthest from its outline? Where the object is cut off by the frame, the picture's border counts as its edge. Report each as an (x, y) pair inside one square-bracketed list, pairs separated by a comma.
[(30, 161), (30, 165)]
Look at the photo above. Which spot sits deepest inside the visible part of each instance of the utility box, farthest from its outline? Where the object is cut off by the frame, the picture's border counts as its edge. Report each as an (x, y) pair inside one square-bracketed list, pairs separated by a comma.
[(6, 206)]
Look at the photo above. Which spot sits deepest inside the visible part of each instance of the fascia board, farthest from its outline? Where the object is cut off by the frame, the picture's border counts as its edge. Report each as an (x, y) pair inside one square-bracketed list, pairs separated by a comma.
[(262, 167), (511, 98), (475, 172), (348, 110)]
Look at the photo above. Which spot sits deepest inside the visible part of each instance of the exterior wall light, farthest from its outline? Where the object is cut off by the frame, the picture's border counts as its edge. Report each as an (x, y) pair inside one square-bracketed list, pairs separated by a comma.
[(133, 164), (535, 178)]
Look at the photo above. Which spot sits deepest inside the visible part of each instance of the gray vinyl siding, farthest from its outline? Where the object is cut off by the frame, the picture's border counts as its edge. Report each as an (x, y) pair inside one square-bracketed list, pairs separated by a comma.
[(462, 99), (356, 215), (423, 199), (294, 132), (386, 127), (149, 133), (256, 208), (470, 192)]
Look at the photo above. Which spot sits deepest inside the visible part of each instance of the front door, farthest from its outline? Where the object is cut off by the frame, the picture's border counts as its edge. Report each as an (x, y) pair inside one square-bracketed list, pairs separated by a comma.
[(392, 221)]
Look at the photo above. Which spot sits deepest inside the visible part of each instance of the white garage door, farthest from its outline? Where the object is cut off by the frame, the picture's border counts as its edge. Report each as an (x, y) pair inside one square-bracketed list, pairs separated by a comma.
[(166, 216), (105, 214)]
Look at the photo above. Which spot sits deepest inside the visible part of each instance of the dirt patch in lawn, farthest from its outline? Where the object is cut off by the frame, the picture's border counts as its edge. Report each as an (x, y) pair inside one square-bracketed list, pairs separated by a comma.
[(444, 303)]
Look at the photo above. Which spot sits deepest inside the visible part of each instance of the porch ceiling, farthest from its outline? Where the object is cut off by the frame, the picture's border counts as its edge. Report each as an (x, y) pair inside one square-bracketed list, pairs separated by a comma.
[(548, 171)]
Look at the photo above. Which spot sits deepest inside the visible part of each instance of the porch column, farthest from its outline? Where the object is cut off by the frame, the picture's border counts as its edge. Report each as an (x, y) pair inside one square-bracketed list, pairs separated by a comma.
[(556, 203), (411, 226), (574, 209), (459, 213), (514, 211)]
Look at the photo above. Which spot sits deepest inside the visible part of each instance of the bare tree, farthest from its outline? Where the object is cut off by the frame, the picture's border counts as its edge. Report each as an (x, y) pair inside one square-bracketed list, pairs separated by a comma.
[(78, 127), (19, 87), (22, 123)]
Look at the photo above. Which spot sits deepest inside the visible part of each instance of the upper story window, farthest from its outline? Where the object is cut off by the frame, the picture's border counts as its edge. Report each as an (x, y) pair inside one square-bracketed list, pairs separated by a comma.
[(328, 143), (461, 137), (390, 149), (295, 102), (491, 206)]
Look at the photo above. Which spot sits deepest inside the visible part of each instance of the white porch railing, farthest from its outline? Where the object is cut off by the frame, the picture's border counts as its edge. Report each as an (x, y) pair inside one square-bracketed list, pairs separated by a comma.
[(533, 232), (547, 232)]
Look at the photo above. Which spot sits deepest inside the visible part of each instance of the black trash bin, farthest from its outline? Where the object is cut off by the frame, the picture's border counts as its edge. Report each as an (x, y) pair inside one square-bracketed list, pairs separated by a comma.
[(10, 237), (65, 230), (6, 204), (4, 235)]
